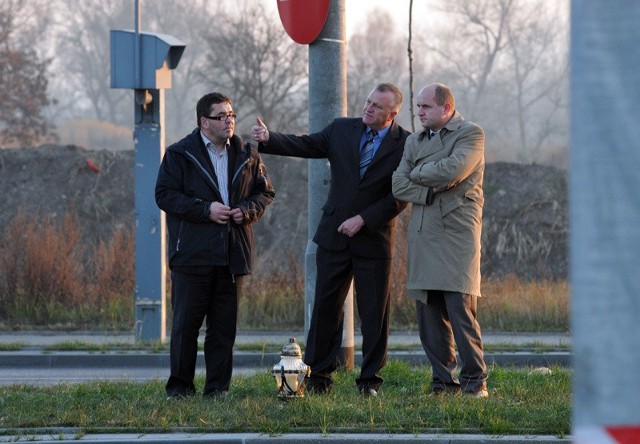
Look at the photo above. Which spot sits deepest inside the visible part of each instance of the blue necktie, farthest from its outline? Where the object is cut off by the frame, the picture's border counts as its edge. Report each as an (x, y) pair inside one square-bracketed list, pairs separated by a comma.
[(366, 154)]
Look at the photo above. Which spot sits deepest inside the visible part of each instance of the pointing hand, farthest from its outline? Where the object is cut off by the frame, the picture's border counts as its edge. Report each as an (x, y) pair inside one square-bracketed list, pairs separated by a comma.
[(259, 131)]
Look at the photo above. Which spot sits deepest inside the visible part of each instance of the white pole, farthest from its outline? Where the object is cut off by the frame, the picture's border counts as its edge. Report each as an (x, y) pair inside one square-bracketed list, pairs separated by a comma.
[(605, 214)]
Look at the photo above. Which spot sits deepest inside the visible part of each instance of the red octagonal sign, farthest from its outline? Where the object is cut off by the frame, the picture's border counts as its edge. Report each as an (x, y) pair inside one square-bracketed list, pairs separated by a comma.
[(303, 19)]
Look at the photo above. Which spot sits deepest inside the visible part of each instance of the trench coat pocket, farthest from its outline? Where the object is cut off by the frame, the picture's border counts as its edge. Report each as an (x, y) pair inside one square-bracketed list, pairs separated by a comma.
[(451, 205), (475, 196)]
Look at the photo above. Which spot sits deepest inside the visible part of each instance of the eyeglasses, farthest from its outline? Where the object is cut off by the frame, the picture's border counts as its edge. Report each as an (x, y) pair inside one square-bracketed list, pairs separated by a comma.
[(222, 117)]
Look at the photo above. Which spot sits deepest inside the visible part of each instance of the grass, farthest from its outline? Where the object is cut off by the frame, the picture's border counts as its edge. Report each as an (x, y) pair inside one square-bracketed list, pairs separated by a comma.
[(510, 304), (52, 277), (521, 403)]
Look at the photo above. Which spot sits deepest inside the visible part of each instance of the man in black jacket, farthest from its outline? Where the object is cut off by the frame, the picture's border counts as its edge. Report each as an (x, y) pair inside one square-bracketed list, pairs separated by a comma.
[(355, 233), (212, 187)]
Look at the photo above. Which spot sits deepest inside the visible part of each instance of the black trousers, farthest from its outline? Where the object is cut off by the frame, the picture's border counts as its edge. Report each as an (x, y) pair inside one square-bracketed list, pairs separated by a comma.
[(446, 320), (371, 281), (193, 297)]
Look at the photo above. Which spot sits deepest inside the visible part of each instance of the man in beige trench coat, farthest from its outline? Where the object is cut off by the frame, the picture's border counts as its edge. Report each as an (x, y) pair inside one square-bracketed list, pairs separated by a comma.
[(441, 174)]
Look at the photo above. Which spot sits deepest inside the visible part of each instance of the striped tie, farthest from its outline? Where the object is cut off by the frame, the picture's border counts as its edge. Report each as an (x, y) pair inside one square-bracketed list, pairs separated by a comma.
[(366, 154)]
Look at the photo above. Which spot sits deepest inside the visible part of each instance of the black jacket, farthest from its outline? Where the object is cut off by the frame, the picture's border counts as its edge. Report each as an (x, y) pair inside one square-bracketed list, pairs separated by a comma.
[(369, 196), (185, 188)]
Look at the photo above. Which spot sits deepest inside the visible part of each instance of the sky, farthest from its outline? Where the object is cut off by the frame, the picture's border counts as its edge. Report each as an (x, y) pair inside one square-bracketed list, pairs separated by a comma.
[(356, 11)]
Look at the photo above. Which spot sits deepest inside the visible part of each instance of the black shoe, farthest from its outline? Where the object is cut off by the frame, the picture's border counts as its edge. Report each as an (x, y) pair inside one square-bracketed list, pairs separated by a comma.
[(444, 390), (368, 392), (215, 394), (318, 389), (177, 396)]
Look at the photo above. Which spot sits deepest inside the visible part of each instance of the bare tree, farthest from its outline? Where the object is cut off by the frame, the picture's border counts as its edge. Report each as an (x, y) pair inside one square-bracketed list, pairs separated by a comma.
[(83, 59), (23, 78), (507, 61), (472, 43), (249, 56), (244, 52), (83, 46), (540, 78), (410, 58), (374, 55)]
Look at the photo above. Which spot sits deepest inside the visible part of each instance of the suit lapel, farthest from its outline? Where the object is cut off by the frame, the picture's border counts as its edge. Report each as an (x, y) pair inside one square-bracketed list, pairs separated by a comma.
[(353, 142), (435, 144), (433, 147)]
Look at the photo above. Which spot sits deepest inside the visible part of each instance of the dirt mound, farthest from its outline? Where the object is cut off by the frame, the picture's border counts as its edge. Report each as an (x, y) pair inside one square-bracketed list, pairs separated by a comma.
[(525, 222), (50, 180), (525, 214)]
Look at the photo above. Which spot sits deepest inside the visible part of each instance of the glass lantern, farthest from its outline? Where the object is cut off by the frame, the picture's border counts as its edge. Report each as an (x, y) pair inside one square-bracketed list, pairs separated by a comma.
[(290, 372)]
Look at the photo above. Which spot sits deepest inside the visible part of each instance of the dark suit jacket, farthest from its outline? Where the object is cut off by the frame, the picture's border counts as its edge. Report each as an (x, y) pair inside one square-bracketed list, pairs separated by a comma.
[(349, 195)]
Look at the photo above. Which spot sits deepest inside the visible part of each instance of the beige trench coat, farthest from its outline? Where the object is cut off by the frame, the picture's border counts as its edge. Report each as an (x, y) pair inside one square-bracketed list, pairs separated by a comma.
[(444, 237)]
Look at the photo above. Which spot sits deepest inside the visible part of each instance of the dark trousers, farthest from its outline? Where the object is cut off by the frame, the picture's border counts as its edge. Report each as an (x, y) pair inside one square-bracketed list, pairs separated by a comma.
[(194, 296), (447, 317), (371, 281)]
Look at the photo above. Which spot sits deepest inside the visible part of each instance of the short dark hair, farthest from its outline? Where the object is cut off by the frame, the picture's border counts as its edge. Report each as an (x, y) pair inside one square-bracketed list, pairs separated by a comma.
[(383, 87), (204, 104), (443, 94)]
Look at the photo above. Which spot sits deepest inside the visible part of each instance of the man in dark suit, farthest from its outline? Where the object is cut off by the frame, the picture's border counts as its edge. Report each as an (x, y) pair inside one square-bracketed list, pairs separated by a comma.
[(355, 233)]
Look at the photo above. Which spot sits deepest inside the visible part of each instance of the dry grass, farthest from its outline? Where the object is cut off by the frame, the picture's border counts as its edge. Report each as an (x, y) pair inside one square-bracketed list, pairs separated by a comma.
[(49, 278), (273, 298), (511, 304)]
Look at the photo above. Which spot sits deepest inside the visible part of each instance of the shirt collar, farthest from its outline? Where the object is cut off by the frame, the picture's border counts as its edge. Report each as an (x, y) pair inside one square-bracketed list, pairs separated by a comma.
[(428, 134), (206, 140), (452, 124), (381, 133)]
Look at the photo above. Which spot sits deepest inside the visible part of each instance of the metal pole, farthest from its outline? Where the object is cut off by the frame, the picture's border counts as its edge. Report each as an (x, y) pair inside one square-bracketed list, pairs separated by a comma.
[(149, 139), (327, 100), (605, 210), (138, 27)]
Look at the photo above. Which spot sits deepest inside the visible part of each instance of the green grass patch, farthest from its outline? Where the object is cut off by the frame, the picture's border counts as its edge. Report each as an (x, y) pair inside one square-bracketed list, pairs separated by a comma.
[(149, 347), (521, 403), (12, 346)]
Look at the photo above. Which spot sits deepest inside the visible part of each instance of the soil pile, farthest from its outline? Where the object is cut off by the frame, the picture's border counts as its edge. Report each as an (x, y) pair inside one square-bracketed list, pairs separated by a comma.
[(525, 214)]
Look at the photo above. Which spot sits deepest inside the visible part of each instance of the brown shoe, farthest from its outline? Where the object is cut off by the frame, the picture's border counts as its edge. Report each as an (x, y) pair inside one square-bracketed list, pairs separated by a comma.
[(481, 393)]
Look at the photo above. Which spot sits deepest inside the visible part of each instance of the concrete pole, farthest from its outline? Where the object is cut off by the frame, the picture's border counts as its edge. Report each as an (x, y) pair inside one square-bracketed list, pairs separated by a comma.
[(605, 213), (327, 100)]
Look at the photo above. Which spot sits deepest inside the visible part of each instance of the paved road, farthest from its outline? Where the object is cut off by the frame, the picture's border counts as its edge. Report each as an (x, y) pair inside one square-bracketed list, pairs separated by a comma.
[(35, 366), (69, 375), (46, 338)]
